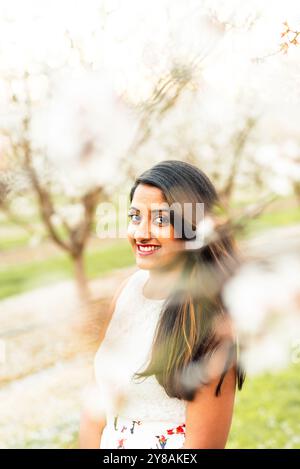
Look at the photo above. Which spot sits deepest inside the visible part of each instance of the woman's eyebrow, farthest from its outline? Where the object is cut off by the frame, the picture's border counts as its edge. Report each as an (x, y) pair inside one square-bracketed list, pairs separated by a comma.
[(134, 208), (160, 210), (157, 210)]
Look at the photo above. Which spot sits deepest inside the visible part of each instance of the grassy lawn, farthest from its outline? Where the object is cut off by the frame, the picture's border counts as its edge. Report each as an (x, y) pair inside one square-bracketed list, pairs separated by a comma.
[(23, 277), (289, 216), (267, 411), (18, 240)]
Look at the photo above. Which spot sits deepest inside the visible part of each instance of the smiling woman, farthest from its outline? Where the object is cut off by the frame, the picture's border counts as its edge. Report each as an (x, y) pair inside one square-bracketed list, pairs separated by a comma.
[(167, 369), (152, 235)]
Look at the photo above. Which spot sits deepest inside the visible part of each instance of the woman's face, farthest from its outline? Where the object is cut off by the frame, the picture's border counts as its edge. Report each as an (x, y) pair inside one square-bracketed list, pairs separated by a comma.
[(150, 232)]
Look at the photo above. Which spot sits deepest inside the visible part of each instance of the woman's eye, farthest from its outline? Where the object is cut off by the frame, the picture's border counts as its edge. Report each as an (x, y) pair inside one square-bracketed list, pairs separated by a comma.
[(134, 217), (161, 220)]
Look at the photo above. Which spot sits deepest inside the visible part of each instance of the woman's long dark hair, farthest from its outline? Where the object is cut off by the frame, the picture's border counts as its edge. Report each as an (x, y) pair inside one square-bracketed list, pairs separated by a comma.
[(186, 335)]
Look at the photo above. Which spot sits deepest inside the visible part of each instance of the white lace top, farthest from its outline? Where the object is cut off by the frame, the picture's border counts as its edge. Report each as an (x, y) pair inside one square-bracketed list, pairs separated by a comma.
[(126, 349)]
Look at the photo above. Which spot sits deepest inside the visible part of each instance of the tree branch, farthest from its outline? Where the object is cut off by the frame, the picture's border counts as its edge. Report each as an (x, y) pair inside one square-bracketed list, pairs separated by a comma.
[(241, 139), (44, 199)]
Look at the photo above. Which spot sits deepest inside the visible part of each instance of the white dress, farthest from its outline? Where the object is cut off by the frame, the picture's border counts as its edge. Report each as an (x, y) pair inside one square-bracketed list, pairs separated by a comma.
[(139, 413)]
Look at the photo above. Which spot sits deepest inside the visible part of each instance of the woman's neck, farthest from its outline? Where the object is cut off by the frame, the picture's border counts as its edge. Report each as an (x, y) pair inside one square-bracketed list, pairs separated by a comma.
[(160, 283)]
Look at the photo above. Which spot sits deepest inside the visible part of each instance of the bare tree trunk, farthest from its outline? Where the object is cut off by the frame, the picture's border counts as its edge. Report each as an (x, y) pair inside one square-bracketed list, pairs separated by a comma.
[(241, 139), (296, 186), (81, 279)]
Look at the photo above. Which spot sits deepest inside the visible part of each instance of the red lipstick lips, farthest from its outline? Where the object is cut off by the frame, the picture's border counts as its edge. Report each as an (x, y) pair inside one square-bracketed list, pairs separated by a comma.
[(147, 249)]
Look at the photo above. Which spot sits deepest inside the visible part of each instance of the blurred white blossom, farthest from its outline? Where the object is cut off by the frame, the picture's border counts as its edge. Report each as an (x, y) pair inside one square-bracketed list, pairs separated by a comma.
[(72, 213), (23, 207), (85, 130), (264, 300)]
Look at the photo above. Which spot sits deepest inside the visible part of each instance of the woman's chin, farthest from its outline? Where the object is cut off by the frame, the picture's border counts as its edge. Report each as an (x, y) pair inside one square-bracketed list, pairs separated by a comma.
[(145, 263), (149, 263)]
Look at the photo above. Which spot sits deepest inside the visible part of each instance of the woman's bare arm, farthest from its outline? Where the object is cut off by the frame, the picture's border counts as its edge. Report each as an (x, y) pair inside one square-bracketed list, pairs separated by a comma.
[(90, 430), (208, 417)]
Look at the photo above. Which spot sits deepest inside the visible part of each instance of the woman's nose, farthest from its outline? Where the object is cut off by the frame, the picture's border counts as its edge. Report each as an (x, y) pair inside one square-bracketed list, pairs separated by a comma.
[(142, 231)]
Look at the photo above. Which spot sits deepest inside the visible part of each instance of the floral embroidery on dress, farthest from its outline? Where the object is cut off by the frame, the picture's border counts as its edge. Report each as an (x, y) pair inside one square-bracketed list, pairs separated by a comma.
[(162, 441), (135, 422), (131, 428), (176, 430), (121, 443), (115, 423), (172, 431)]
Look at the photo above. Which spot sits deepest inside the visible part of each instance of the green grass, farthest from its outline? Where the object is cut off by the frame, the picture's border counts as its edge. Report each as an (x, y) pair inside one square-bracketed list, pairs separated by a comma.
[(267, 220), (23, 277), (13, 242), (117, 255), (267, 411)]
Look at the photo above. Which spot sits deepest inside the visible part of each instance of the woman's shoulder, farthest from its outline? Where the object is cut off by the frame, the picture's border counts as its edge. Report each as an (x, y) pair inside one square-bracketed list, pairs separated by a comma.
[(118, 308), (139, 274), (134, 280)]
